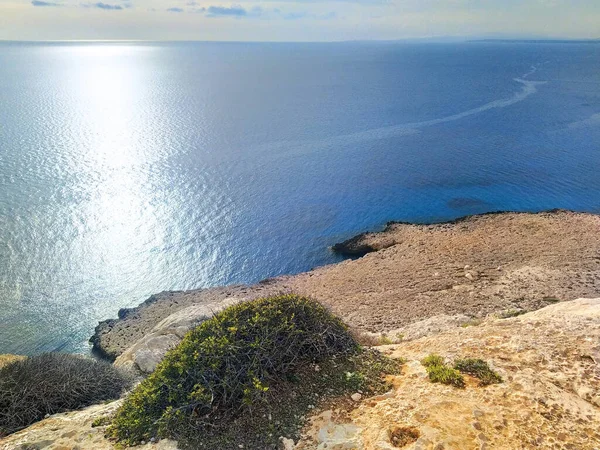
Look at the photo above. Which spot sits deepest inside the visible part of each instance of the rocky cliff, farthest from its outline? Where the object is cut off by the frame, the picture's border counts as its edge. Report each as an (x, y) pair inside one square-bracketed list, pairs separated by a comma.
[(421, 278), (549, 360)]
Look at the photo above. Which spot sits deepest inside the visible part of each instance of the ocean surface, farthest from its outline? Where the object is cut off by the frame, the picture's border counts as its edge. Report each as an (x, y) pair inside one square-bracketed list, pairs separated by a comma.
[(127, 169)]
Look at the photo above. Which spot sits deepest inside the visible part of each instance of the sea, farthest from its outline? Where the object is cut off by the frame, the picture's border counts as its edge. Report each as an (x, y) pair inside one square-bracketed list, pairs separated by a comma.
[(130, 168)]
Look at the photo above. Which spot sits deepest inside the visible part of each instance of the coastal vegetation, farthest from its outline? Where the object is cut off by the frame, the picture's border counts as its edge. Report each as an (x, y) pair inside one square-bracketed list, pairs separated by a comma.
[(478, 368), (440, 372), (50, 383), (250, 375)]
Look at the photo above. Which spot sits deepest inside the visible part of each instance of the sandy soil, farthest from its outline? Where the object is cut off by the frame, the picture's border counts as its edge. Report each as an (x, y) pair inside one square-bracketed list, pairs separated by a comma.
[(474, 266)]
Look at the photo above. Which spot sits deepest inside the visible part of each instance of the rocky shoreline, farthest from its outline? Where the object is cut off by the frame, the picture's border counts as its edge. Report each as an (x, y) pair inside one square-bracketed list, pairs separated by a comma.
[(458, 290), (410, 277)]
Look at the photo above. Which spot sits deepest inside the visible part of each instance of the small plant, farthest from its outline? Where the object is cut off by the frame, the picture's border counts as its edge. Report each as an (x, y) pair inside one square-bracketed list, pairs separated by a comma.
[(101, 421), (439, 372), (472, 323), (385, 340), (512, 313), (479, 369), (51, 383), (433, 360), (445, 375)]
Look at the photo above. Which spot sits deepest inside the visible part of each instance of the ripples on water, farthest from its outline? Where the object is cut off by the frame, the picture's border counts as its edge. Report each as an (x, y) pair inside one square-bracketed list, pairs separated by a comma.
[(127, 169)]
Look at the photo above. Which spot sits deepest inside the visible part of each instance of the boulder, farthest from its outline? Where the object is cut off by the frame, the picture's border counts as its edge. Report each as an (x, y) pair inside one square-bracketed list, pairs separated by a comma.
[(147, 352)]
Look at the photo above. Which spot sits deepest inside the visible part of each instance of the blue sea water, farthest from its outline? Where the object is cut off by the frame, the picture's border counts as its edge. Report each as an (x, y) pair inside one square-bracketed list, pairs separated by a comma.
[(131, 168)]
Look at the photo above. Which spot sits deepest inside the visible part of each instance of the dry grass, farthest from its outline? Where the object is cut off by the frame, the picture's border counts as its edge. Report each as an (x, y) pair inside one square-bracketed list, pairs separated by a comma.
[(51, 383)]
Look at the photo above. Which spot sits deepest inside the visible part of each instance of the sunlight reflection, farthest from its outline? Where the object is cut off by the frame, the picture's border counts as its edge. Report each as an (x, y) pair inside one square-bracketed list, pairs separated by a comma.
[(111, 93)]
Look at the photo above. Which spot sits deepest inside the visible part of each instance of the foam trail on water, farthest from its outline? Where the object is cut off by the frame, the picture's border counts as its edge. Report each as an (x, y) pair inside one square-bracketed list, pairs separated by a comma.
[(297, 147), (593, 120), (529, 88)]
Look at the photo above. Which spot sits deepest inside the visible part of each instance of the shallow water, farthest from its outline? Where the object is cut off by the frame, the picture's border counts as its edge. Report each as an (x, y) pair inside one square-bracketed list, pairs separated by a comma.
[(128, 169)]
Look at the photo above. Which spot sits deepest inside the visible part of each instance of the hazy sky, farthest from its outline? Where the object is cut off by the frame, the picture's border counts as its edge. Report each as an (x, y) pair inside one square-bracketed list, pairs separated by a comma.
[(293, 20)]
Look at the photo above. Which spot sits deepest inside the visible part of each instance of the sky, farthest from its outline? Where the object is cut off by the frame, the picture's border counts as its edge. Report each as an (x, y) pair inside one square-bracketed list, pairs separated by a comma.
[(296, 20)]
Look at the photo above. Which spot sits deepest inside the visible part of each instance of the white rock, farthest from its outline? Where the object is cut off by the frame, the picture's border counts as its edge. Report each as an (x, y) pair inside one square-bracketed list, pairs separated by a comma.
[(147, 352), (288, 444), (356, 397)]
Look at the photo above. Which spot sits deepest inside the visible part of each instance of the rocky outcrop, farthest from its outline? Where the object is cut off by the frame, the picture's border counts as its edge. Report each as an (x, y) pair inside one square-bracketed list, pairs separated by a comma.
[(7, 359), (550, 397), (147, 352), (471, 267), (73, 431), (113, 337)]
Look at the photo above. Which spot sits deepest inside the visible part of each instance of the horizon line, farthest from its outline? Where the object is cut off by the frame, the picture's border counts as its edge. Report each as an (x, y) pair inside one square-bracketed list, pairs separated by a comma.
[(427, 38)]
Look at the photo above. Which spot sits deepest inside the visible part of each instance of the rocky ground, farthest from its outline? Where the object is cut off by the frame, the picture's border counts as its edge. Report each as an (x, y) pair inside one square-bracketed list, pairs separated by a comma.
[(415, 278), (72, 431), (550, 398), (7, 359)]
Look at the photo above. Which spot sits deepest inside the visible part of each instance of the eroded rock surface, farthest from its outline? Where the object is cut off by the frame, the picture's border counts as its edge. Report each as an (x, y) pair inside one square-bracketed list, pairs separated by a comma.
[(147, 352), (471, 267), (72, 431), (550, 398)]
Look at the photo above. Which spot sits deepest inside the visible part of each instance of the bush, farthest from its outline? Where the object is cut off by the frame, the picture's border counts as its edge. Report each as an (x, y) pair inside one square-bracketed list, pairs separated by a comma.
[(479, 369), (225, 369), (445, 375), (433, 360), (439, 372), (51, 383)]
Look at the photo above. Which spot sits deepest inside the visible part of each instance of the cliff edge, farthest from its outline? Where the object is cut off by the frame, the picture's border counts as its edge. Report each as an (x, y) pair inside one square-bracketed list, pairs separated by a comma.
[(421, 278), (549, 398)]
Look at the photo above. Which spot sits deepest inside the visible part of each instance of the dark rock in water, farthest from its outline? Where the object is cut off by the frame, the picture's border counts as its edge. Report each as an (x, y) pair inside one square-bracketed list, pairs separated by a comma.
[(356, 246), (98, 349)]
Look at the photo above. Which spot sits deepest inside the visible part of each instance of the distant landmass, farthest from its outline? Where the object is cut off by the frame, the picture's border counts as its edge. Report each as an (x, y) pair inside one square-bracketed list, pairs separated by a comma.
[(542, 41)]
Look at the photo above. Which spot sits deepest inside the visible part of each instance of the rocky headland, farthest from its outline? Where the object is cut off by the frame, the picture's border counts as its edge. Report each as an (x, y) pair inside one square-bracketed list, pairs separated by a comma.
[(517, 290), (414, 280)]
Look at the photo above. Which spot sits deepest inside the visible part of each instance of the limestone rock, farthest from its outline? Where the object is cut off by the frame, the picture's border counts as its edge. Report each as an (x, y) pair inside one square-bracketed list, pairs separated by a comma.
[(72, 430), (146, 353), (288, 444), (7, 359), (427, 327), (548, 400)]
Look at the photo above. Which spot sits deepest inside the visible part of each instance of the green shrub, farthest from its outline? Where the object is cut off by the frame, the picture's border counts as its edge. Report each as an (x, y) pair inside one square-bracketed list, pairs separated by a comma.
[(51, 383), (479, 369), (229, 366), (445, 375), (432, 360), (439, 372)]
